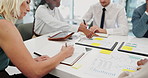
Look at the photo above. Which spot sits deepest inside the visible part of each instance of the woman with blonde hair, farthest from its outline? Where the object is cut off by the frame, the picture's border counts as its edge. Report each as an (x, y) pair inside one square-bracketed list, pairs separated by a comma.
[(12, 46)]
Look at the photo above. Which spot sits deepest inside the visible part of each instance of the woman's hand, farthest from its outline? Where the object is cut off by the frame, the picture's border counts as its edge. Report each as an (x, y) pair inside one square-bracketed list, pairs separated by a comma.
[(67, 51), (41, 58), (88, 33)]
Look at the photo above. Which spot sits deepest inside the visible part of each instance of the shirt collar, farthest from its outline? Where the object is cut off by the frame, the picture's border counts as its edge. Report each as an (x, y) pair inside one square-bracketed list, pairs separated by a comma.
[(107, 7), (46, 5)]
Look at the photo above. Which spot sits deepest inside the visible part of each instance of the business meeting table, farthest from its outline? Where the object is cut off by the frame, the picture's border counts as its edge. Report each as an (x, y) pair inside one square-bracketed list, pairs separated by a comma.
[(95, 63)]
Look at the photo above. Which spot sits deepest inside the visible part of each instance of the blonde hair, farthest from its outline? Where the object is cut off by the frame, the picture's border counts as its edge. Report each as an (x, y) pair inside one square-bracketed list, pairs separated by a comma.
[(10, 9)]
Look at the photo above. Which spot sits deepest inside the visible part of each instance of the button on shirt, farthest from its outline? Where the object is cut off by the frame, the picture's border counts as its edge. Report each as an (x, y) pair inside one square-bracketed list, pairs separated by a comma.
[(49, 21), (115, 18)]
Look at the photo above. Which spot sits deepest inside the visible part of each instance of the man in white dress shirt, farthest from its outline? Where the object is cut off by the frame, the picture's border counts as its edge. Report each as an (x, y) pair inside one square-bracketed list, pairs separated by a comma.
[(115, 20), (48, 19)]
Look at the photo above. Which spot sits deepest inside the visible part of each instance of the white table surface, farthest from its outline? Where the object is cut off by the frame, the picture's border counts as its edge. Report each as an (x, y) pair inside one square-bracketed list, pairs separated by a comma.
[(64, 71)]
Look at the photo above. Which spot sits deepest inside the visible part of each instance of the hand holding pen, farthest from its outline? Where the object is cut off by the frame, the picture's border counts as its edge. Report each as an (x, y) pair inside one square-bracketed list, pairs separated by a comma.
[(67, 50), (85, 24), (41, 57)]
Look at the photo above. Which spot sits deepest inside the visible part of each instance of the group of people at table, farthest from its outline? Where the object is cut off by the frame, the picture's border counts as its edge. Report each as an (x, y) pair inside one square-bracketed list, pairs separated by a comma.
[(108, 18)]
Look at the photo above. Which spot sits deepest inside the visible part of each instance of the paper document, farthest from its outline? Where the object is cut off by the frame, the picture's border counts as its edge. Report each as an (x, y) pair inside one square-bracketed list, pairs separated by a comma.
[(97, 42), (102, 35), (110, 66), (133, 48), (52, 50)]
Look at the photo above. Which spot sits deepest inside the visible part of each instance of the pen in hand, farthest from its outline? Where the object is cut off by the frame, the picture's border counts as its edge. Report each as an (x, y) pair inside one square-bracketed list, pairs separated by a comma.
[(84, 22), (139, 67), (37, 54)]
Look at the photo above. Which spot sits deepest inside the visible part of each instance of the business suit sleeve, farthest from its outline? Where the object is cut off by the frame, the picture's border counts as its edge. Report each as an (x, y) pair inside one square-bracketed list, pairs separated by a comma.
[(89, 14), (140, 26)]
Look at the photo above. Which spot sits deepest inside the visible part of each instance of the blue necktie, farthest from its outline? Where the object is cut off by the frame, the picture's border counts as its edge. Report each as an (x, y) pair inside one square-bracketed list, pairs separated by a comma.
[(102, 19)]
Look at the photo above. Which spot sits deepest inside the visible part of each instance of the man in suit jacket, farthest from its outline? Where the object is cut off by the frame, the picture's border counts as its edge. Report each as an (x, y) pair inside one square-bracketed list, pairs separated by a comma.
[(140, 21)]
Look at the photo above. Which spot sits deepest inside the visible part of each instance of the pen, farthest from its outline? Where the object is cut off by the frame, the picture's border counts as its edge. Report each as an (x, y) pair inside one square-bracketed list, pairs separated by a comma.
[(139, 67), (37, 54), (84, 22), (65, 44)]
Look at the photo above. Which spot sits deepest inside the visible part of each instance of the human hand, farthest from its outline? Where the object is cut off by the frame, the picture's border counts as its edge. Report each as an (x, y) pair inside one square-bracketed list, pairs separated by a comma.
[(146, 5), (94, 29), (41, 58), (84, 25), (142, 62), (88, 33), (98, 30), (67, 51), (124, 74)]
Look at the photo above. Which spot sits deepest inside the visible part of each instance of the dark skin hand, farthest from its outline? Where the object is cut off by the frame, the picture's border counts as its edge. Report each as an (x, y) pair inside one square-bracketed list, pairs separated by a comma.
[(88, 33), (147, 6)]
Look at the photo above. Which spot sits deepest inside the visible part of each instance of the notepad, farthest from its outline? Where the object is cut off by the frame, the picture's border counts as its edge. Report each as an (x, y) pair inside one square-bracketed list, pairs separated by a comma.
[(50, 51), (133, 48), (102, 35), (97, 42)]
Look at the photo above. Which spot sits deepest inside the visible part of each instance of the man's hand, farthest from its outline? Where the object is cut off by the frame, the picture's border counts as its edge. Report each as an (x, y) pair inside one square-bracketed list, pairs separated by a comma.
[(142, 62), (96, 29)]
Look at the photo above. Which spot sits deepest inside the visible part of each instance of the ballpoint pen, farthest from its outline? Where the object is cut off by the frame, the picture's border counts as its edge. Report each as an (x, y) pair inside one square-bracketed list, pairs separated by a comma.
[(84, 22), (37, 54)]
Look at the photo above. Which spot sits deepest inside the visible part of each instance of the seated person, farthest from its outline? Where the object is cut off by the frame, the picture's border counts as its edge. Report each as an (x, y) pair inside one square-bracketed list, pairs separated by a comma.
[(141, 73), (140, 21), (108, 18), (12, 46), (48, 19)]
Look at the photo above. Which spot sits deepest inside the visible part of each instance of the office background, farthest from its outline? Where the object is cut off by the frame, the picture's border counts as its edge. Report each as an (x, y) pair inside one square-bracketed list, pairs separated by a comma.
[(73, 10)]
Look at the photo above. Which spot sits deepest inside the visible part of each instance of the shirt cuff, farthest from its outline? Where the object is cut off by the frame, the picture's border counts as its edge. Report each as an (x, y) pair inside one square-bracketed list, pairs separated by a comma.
[(146, 12)]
